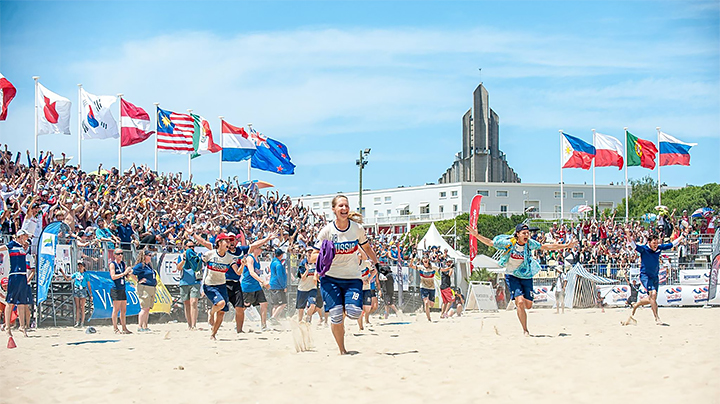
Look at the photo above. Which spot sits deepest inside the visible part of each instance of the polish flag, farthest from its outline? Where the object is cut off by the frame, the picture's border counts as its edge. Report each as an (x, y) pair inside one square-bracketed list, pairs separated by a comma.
[(134, 124), (608, 151), (7, 93), (53, 114)]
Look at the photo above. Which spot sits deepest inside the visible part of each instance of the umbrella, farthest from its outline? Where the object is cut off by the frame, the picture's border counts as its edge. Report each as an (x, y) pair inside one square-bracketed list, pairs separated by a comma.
[(101, 172), (260, 184), (581, 209), (702, 212), (648, 217)]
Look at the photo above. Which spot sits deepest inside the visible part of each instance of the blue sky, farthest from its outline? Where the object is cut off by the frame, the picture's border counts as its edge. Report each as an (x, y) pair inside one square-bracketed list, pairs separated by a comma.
[(331, 78)]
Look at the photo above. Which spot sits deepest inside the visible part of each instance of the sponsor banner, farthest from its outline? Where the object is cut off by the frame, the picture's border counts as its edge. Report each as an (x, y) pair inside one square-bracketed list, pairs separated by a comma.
[(694, 276), (685, 295), (100, 285), (405, 278), (474, 212), (167, 268), (543, 296), (46, 259), (615, 295), (63, 260), (163, 299)]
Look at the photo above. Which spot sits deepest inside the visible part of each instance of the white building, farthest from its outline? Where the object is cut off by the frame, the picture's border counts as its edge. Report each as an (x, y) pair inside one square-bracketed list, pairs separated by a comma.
[(405, 206)]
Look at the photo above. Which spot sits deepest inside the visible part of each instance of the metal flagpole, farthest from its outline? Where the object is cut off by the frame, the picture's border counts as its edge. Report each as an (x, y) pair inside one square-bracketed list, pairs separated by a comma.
[(627, 201), (221, 144), (593, 163), (79, 125), (120, 95), (658, 166), (562, 200), (157, 115), (191, 153), (249, 161), (36, 114)]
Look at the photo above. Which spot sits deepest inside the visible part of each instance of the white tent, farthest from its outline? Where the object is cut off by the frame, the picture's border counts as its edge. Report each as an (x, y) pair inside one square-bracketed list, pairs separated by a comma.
[(483, 261), (434, 239)]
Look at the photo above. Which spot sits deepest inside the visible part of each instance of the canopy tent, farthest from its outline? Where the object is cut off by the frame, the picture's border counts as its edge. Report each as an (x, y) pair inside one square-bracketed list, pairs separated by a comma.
[(434, 239), (483, 261), (581, 290)]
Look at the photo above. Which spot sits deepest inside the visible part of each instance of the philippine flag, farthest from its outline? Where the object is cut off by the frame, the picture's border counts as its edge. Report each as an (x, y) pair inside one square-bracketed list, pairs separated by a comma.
[(576, 152), (608, 151), (236, 143), (674, 152)]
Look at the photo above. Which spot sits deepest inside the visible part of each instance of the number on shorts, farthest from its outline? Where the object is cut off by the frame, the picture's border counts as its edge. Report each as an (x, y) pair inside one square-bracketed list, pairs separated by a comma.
[(355, 296)]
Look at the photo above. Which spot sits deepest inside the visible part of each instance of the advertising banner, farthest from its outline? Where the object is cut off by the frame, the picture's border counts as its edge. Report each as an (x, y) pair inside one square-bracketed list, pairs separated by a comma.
[(694, 276), (46, 258), (474, 212), (100, 285), (167, 268), (543, 296)]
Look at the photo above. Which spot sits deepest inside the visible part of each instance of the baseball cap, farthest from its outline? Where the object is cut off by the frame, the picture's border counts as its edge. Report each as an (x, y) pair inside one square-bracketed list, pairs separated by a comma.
[(223, 236), (279, 252), (521, 227)]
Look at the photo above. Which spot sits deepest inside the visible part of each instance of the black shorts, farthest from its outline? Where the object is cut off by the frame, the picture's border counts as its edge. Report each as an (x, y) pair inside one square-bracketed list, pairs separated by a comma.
[(319, 299), (118, 294), (235, 294), (389, 291), (254, 298), (367, 297), (277, 297)]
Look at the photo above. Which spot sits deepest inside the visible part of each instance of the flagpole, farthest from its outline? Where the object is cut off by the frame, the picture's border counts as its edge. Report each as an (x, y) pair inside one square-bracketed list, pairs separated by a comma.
[(120, 95), (191, 153), (249, 160), (36, 78), (221, 143), (562, 186), (627, 201), (157, 115), (79, 125), (593, 165), (658, 165)]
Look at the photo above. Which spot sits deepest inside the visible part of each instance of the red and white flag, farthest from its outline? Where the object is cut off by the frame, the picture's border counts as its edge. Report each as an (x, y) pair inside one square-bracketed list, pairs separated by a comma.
[(608, 151), (7, 93), (134, 124), (53, 113), (175, 132)]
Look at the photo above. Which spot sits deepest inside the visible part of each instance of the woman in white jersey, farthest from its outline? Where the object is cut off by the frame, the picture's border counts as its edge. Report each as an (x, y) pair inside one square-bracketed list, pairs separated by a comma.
[(217, 263), (342, 284)]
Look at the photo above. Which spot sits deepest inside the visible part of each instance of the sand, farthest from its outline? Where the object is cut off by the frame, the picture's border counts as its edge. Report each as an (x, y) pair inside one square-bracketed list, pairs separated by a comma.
[(582, 356)]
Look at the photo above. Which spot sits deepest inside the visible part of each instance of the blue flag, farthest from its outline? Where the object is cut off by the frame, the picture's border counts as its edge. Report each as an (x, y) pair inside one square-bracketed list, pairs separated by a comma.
[(270, 155)]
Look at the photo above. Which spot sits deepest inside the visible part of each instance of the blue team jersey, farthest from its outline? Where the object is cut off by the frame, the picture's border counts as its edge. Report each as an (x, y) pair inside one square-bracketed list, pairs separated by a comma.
[(18, 262), (278, 275), (650, 260), (144, 271), (250, 284), (239, 252)]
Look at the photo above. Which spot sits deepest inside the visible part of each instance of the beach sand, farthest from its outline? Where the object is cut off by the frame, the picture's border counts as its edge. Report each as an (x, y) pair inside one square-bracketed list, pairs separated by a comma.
[(582, 356)]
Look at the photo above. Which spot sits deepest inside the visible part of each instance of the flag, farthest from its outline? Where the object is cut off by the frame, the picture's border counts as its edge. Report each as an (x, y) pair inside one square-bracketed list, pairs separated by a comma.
[(236, 143), (674, 152), (608, 151), (7, 93), (134, 124), (576, 152), (640, 152), (270, 155), (53, 114), (97, 120), (175, 132), (202, 137)]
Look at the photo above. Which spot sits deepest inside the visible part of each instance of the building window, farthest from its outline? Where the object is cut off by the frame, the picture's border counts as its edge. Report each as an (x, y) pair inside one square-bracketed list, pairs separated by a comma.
[(503, 208), (376, 213), (389, 212), (557, 195), (326, 204), (455, 208), (424, 208), (453, 194), (316, 205), (377, 200), (388, 199), (501, 194), (557, 208), (443, 194), (577, 195), (441, 208), (483, 192)]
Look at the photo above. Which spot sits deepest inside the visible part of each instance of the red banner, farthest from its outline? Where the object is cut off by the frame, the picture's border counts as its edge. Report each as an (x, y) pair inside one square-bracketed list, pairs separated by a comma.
[(474, 212)]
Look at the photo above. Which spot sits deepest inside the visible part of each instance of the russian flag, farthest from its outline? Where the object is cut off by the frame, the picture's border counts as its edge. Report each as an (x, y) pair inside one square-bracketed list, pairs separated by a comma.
[(236, 143), (576, 152), (674, 152)]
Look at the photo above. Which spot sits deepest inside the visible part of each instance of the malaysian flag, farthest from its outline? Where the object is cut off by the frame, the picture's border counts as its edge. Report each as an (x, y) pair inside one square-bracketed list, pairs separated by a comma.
[(175, 132)]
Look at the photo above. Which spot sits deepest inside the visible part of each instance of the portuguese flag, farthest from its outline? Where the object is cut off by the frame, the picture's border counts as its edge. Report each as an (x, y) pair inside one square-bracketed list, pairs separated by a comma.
[(640, 152)]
